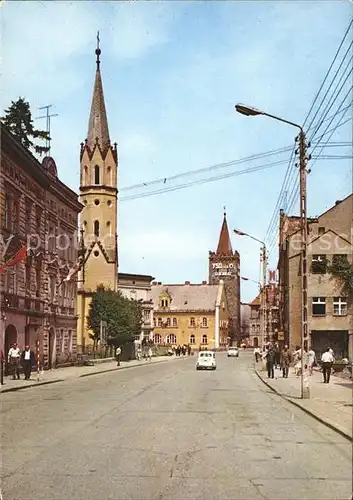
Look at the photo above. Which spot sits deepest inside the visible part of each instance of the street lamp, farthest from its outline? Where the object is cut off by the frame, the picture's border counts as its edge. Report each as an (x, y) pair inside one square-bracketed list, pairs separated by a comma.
[(264, 272), (251, 111)]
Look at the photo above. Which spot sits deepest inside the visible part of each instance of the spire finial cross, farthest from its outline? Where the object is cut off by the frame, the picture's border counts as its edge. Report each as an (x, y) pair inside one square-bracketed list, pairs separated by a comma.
[(224, 210), (98, 51)]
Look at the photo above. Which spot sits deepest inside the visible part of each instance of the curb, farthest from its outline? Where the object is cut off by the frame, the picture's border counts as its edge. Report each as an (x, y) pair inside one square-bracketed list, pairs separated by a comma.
[(307, 411), (35, 384)]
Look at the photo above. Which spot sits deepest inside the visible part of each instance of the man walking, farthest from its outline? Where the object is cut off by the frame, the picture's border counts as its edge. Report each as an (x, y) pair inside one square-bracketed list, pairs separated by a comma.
[(270, 359), (286, 359), (117, 355), (327, 361), (27, 361), (14, 360)]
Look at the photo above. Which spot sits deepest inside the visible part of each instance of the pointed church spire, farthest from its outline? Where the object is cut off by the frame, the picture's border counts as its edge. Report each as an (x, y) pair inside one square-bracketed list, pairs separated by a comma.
[(98, 123), (224, 244)]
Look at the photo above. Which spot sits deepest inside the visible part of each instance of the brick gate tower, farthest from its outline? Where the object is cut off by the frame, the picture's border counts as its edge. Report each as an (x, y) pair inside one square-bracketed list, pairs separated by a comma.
[(224, 264)]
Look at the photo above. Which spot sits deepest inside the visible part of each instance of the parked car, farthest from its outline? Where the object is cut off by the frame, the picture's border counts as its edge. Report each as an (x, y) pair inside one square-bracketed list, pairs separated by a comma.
[(233, 351), (206, 360)]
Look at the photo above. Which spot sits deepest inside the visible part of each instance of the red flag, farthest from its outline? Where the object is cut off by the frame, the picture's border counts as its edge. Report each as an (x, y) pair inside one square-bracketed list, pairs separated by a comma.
[(20, 255), (73, 271), (239, 233)]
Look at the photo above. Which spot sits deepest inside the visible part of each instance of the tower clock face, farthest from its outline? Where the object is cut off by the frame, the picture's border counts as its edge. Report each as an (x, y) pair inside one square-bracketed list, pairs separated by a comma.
[(223, 269)]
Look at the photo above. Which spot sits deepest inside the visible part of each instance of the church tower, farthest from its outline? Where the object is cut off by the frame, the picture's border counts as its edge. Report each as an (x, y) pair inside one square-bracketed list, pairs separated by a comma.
[(99, 197), (224, 264)]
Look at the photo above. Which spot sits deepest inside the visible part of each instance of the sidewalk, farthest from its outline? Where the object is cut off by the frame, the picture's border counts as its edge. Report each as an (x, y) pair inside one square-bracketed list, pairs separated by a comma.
[(330, 403), (72, 372)]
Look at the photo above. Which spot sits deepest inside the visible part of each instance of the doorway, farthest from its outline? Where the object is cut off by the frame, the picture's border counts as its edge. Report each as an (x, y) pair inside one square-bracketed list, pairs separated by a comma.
[(51, 348)]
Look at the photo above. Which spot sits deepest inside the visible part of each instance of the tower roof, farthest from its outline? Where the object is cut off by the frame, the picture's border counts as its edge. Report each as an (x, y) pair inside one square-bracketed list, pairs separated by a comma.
[(98, 123), (224, 244)]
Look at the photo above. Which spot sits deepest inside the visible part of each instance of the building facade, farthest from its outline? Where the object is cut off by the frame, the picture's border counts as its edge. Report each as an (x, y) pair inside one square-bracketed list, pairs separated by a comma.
[(224, 265), (191, 314), (39, 214), (272, 331), (138, 287), (99, 197), (330, 311)]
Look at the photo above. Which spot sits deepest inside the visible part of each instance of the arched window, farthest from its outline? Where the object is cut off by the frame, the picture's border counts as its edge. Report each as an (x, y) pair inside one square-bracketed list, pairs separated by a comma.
[(110, 180), (159, 321), (96, 175), (168, 322), (157, 339), (204, 339), (192, 339), (175, 322), (256, 342), (192, 322), (204, 322), (154, 322), (85, 179), (252, 328), (171, 339), (96, 228)]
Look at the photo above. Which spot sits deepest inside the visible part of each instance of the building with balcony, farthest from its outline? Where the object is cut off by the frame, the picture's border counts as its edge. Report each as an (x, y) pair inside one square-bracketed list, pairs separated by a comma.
[(330, 309), (138, 287), (194, 314), (40, 211)]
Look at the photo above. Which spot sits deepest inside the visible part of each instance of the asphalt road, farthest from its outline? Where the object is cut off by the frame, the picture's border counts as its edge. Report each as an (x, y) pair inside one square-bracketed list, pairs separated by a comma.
[(167, 431)]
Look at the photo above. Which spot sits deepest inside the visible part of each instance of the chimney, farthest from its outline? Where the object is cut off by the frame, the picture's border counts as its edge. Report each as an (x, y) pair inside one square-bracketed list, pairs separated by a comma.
[(159, 283), (154, 283), (337, 202), (204, 282), (187, 282)]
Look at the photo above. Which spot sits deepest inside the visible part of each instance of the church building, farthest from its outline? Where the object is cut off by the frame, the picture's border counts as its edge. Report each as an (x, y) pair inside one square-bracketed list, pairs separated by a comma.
[(224, 264), (99, 197)]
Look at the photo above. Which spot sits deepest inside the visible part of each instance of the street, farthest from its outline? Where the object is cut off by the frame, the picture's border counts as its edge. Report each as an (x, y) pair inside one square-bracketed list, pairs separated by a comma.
[(167, 431)]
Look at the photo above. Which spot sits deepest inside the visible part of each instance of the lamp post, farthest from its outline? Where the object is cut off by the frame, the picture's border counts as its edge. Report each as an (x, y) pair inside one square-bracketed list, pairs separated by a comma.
[(251, 111), (264, 272)]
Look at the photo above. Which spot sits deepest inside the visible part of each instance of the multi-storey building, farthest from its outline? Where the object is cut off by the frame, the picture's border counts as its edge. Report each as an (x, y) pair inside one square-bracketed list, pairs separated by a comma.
[(272, 332), (224, 264), (40, 212), (99, 196), (194, 314), (138, 287), (330, 310)]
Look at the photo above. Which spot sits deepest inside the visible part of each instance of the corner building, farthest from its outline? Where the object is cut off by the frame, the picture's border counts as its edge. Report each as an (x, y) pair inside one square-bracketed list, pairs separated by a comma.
[(224, 264), (99, 196)]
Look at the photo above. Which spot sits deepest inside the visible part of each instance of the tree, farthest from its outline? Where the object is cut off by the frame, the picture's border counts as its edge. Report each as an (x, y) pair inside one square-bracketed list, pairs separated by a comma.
[(342, 269), (123, 316), (18, 120)]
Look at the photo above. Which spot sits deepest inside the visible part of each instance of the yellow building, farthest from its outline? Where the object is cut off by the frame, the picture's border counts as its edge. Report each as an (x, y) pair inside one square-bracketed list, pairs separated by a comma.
[(98, 219), (195, 314)]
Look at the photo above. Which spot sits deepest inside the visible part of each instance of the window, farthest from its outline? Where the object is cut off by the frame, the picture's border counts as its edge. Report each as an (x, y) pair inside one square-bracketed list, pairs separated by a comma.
[(157, 339), (257, 328), (339, 306), (110, 180), (85, 175), (204, 339), (38, 218), (52, 288), (252, 328), (340, 260), (38, 277), (321, 230), (319, 306), (204, 322), (96, 228), (159, 322), (11, 280), (28, 216), (318, 264), (154, 322), (168, 322), (62, 339), (192, 322), (7, 213), (28, 276), (16, 215), (175, 322), (70, 340), (192, 339), (171, 338), (96, 175)]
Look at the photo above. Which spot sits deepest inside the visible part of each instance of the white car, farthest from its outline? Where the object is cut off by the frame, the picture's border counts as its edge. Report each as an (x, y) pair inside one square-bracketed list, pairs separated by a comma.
[(233, 351), (206, 360)]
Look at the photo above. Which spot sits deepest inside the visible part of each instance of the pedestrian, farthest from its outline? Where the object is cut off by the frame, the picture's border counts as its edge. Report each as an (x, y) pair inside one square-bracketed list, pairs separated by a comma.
[(117, 355), (311, 360), (149, 354), (27, 361), (257, 354), (327, 362), (277, 356), (14, 360), (189, 349), (270, 361), (2, 361), (286, 359)]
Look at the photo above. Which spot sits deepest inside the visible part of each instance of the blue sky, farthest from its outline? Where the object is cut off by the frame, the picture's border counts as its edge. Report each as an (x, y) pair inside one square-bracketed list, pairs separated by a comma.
[(172, 72)]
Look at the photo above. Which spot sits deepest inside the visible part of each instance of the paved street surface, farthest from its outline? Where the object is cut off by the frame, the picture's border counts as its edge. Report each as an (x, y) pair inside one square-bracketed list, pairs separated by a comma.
[(331, 402), (167, 431)]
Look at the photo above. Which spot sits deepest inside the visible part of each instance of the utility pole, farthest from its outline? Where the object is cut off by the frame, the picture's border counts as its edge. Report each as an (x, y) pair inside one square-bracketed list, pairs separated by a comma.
[(47, 116), (304, 261), (264, 302)]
